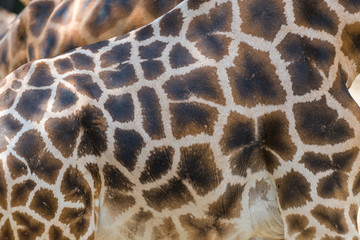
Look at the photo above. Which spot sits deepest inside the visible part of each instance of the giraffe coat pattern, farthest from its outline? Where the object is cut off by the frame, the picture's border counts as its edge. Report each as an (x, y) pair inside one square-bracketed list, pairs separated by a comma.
[(223, 119)]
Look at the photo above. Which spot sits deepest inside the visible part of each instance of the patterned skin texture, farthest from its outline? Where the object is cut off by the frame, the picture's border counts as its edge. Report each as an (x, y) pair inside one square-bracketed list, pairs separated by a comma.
[(6, 18), (223, 119), (47, 28)]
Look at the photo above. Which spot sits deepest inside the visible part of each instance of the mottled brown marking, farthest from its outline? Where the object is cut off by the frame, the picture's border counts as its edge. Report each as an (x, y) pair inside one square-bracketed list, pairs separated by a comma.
[(171, 23), (332, 218), (75, 188), (7, 99), (254, 80), (350, 43), (94, 125), (158, 164), (166, 230), (197, 166), (6, 231), (205, 228), (78, 220), (192, 119), (353, 212), (63, 65), (318, 124), (293, 190), (117, 201), (316, 15), (262, 18), (205, 30), (44, 203), (228, 205), (42, 76), (63, 133), (136, 226), (56, 233), (85, 85), (171, 195), (340, 92), (64, 99), (202, 82), (93, 168), (16, 167), (21, 191), (40, 161), (9, 127), (30, 228)]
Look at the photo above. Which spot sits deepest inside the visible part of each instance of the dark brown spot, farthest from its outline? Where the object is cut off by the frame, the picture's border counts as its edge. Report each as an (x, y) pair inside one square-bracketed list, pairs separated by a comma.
[(120, 107), (332, 218), (93, 140), (202, 82), (116, 55), (334, 186), (308, 58), (151, 112), (114, 179), (9, 126), (84, 84), (205, 228), (118, 202), (253, 79), (180, 56), (75, 188), (6, 231), (82, 61), (128, 145), (3, 189), (144, 33), (195, 4), (318, 124), (158, 164), (44, 203), (40, 161), (197, 165), (56, 233), (78, 220), (16, 167), (205, 31), (316, 15), (63, 133), (93, 168), (42, 76), (63, 65), (33, 103), (353, 212), (153, 50), (228, 205), (124, 76), (65, 98), (351, 6), (152, 69), (30, 228), (171, 23), (39, 12), (7, 99), (20, 192), (340, 92), (262, 19), (293, 190), (316, 162), (192, 119), (274, 134), (171, 195)]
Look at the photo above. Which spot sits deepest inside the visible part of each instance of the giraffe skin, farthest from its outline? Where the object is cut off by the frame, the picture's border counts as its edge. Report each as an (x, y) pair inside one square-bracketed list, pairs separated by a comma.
[(6, 19), (47, 28), (223, 119)]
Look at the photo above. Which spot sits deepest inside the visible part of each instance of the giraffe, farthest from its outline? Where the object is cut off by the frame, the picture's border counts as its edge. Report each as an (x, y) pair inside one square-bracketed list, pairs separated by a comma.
[(223, 119), (47, 28), (6, 19)]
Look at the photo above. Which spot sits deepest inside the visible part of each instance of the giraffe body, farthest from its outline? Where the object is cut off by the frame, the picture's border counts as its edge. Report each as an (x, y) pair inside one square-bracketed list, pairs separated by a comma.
[(47, 28), (223, 119)]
